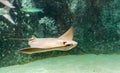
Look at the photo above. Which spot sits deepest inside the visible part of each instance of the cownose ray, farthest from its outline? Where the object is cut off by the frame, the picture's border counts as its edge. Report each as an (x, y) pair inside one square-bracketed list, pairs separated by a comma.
[(63, 43), (5, 13), (7, 3)]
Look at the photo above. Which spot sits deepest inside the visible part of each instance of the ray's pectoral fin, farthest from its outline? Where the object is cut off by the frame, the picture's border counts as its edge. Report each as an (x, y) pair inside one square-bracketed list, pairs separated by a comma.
[(7, 15), (7, 3), (34, 50), (68, 35)]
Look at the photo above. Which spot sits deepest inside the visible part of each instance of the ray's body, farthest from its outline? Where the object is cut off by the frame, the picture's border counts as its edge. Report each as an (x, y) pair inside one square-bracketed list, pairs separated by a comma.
[(62, 43)]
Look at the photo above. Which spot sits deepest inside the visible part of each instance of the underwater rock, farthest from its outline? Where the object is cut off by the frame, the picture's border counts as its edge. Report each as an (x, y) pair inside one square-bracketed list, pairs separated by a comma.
[(118, 29), (27, 3), (76, 6), (48, 23)]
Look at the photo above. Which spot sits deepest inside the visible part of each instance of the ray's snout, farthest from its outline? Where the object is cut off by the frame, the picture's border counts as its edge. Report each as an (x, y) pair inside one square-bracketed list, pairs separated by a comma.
[(71, 43)]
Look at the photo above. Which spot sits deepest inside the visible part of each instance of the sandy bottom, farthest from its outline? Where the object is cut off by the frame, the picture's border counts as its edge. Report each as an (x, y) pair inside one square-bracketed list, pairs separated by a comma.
[(70, 64)]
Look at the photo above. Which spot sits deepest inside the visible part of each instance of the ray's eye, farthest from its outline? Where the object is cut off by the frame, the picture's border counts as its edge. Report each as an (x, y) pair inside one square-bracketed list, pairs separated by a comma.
[(64, 42)]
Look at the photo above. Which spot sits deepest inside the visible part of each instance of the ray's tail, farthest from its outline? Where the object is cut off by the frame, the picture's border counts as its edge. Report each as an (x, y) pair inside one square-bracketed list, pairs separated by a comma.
[(19, 38)]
